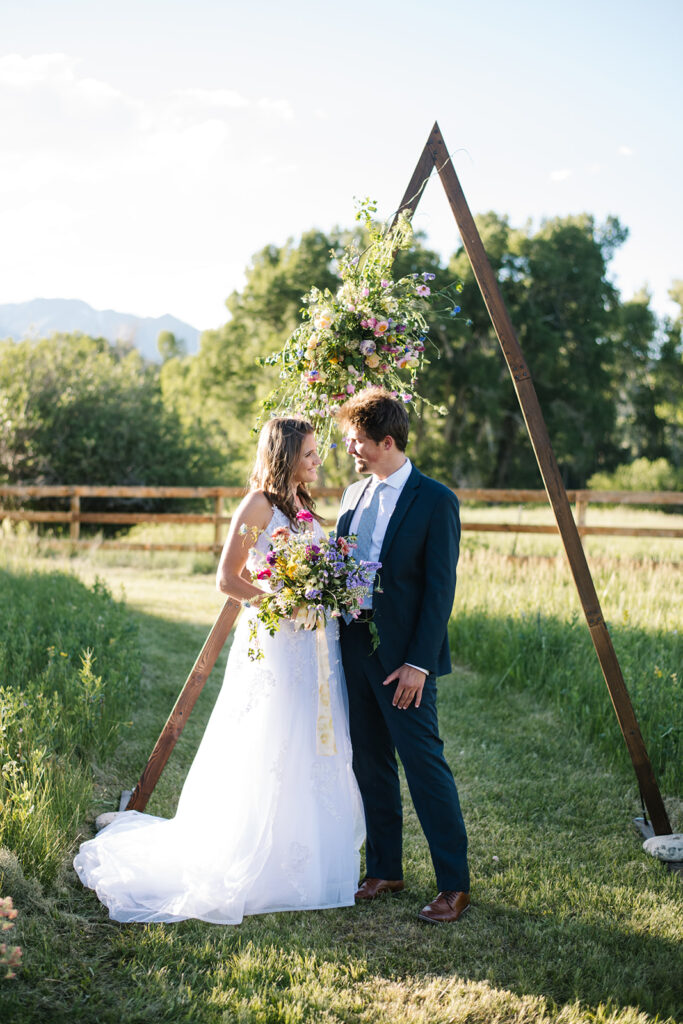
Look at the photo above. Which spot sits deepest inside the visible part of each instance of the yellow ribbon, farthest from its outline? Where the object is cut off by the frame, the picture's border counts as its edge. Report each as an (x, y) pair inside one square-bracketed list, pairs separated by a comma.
[(324, 726)]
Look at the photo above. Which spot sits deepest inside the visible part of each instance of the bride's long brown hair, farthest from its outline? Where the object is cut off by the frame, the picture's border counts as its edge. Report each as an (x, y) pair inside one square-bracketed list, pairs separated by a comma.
[(279, 449)]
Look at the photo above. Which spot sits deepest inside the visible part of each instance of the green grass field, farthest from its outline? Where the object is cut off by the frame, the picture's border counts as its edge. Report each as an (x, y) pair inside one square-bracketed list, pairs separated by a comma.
[(571, 921)]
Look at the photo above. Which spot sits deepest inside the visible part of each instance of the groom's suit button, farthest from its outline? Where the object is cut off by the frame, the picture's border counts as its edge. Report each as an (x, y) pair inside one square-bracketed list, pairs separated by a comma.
[(371, 888), (448, 906)]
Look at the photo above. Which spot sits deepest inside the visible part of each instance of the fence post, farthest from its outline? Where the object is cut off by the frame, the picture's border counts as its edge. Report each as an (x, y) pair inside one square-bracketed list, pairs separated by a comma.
[(75, 528), (581, 508), (217, 512)]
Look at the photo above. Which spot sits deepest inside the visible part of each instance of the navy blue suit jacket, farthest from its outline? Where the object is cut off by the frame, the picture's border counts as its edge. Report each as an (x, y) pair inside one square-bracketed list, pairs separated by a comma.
[(419, 557)]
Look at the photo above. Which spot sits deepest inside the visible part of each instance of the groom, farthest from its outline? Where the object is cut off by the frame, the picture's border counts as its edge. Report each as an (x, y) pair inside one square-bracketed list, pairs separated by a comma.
[(410, 524)]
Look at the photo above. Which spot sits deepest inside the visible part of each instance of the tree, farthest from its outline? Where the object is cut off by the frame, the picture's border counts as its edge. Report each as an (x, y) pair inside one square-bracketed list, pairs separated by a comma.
[(593, 358), (170, 347), (77, 410)]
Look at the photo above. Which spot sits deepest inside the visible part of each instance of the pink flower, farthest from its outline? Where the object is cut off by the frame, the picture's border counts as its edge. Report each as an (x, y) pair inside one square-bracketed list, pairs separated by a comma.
[(350, 389), (381, 327), (304, 516), (365, 292), (385, 284), (264, 574), (406, 398), (424, 290)]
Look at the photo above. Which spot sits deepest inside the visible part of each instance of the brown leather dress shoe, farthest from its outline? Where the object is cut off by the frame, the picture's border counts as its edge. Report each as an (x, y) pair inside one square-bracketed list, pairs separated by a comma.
[(371, 888), (448, 906)]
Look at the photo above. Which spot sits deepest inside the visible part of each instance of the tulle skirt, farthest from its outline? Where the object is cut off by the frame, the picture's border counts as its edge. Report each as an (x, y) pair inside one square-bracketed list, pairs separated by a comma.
[(264, 822)]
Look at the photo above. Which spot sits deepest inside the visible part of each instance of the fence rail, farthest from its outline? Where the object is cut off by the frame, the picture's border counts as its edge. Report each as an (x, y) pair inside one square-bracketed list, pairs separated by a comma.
[(74, 517)]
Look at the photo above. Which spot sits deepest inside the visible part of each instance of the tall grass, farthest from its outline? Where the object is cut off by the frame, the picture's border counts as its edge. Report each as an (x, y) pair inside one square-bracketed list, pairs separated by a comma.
[(69, 669), (519, 623)]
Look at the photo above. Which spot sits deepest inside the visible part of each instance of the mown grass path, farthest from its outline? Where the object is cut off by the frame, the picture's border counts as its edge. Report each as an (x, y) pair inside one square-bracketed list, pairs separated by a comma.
[(570, 920)]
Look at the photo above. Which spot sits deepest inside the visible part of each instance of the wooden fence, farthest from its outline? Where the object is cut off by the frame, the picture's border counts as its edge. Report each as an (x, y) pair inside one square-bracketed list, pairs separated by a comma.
[(220, 520)]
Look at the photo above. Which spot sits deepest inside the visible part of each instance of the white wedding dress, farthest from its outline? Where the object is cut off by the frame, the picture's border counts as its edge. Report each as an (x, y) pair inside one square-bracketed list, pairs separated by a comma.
[(264, 823)]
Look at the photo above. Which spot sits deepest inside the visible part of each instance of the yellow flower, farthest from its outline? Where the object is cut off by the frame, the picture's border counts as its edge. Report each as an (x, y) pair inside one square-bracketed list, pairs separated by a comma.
[(372, 360)]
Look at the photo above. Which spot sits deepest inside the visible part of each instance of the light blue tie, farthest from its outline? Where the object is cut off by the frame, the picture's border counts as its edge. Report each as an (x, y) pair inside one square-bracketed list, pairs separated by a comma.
[(366, 528)]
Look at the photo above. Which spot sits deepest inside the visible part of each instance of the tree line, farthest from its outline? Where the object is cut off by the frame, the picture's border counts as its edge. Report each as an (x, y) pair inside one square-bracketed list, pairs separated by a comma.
[(608, 373)]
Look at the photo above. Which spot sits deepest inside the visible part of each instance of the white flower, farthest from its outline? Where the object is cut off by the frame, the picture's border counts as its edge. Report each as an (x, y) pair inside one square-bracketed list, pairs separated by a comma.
[(324, 318)]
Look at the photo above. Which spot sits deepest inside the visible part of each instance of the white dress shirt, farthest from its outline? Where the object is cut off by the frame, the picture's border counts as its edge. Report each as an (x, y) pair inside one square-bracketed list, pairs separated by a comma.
[(387, 503)]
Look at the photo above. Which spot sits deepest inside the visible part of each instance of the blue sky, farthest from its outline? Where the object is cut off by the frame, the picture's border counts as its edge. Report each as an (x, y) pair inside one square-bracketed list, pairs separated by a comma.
[(151, 147)]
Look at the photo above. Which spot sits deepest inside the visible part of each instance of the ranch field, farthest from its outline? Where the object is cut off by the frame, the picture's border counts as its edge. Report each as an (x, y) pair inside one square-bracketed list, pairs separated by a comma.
[(571, 921)]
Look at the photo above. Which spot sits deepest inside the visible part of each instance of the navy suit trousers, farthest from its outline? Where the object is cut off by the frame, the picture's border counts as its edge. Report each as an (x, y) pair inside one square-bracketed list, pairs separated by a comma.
[(378, 731)]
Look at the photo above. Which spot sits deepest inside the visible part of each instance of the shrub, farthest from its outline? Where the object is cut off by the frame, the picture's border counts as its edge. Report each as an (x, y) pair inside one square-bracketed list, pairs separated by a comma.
[(640, 475), (69, 668)]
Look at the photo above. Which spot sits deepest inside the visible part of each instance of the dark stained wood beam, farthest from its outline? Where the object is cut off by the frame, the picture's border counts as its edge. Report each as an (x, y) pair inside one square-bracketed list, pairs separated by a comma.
[(436, 152)]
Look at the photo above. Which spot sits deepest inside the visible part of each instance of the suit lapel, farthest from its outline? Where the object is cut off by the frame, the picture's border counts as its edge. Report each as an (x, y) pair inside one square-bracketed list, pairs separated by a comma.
[(406, 498), (344, 526)]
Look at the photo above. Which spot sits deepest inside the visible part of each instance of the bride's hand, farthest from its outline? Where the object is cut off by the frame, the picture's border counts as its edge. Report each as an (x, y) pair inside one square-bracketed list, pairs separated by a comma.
[(303, 617)]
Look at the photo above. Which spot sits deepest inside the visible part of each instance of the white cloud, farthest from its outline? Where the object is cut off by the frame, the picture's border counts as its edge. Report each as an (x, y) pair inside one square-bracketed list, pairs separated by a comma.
[(625, 151), (107, 195), (281, 107), (53, 70), (561, 175), (227, 98)]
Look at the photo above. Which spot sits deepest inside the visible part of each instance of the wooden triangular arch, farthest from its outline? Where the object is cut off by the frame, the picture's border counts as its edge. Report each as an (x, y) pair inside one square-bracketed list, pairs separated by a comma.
[(435, 154)]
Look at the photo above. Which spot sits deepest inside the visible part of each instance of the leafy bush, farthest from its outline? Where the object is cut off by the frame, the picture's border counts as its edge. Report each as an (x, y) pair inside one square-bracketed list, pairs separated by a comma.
[(640, 475), (77, 410), (69, 669)]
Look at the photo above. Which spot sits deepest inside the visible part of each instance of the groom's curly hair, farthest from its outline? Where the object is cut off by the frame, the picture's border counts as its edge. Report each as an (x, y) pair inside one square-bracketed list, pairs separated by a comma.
[(378, 414)]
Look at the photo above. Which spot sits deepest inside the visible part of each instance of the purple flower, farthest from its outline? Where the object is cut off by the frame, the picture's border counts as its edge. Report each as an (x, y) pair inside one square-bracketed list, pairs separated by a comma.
[(373, 566), (313, 594), (428, 277), (423, 290), (271, 558)]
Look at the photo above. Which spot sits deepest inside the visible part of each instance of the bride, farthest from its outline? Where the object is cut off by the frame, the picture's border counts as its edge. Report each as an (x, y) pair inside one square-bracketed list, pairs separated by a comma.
[(264, 822)]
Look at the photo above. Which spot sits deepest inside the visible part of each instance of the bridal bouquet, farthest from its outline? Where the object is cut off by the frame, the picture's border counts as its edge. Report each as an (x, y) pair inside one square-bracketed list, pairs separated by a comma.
[(317, 579), (372, 331)]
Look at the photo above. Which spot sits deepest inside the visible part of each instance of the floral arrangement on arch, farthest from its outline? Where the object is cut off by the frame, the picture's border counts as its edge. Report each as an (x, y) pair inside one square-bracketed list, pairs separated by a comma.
[(372, 331)]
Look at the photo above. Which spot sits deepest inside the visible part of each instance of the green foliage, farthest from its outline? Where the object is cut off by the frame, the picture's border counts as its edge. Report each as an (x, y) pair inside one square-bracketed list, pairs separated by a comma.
[(74, 409), (604, 371), (69, 669), (608, 374), (499, 631), (571, 922), (170, 347), (640, 475), (221, 390)]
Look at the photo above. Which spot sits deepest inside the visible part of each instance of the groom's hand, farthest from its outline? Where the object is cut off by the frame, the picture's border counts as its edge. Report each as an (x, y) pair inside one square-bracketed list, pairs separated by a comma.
[(410, 685)]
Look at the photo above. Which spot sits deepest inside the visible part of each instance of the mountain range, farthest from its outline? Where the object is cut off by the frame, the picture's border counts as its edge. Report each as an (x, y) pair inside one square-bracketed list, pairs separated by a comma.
[(39, 318)]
